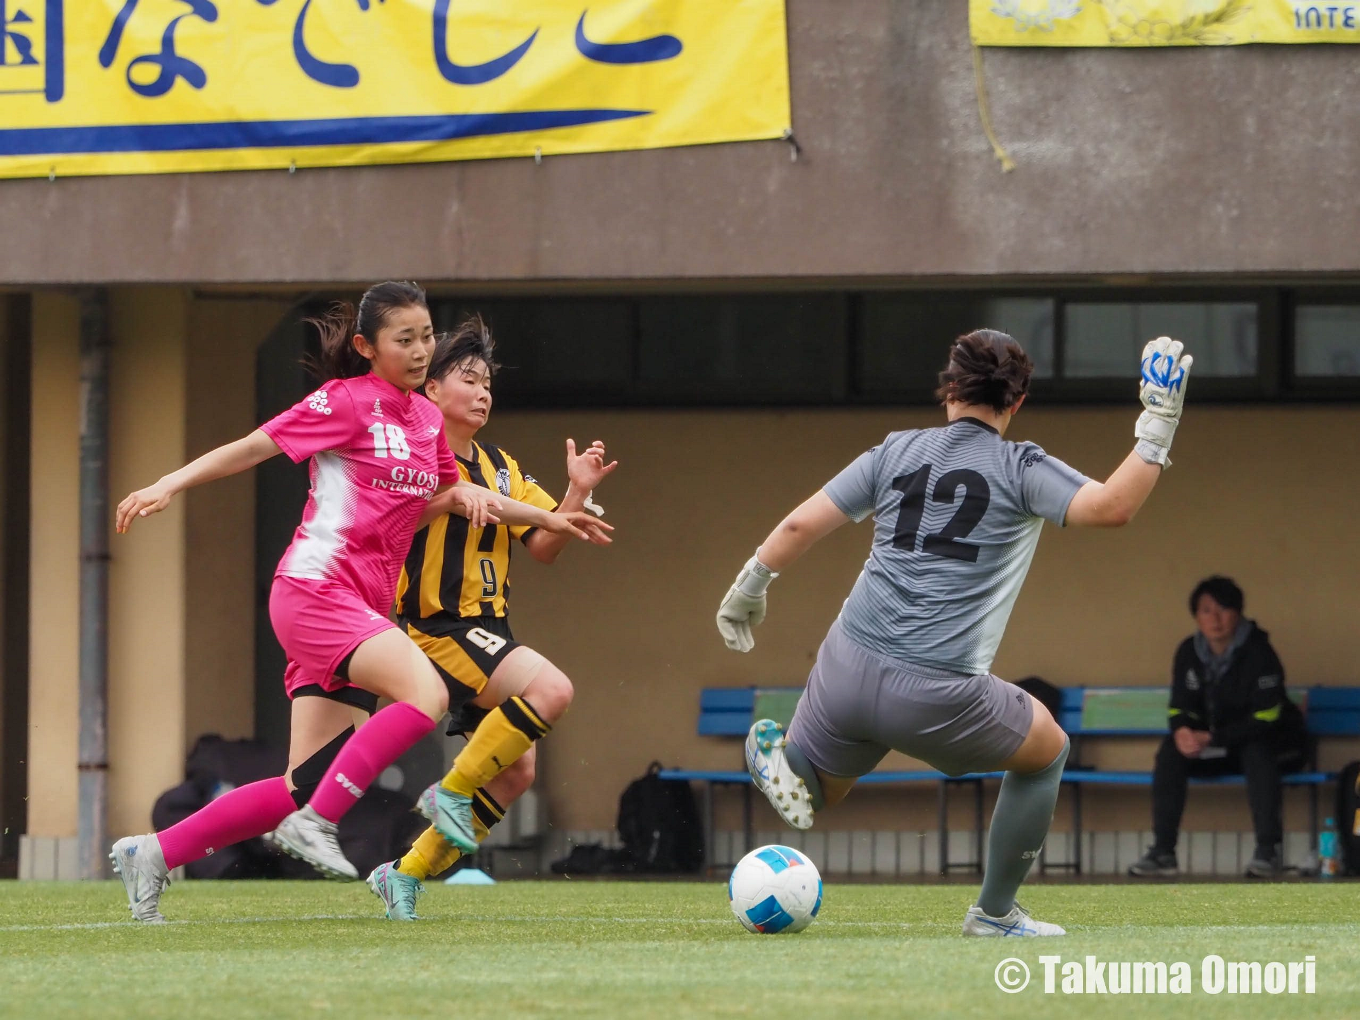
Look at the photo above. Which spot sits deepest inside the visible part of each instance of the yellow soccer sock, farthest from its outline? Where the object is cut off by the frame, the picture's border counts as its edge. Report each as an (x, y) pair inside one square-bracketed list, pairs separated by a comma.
[(485, 813), (432, 854), (506, 733), (429, 855)]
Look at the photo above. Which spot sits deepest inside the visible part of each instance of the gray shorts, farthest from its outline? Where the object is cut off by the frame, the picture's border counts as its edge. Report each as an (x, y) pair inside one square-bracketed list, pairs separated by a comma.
[(860, 704)]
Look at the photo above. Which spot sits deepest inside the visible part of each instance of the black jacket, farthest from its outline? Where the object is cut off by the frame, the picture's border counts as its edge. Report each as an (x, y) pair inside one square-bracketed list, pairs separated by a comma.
[(1246, 703)]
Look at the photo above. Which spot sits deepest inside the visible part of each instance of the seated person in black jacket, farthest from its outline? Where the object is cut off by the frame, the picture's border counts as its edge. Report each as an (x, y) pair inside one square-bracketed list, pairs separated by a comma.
[(1229, 714)]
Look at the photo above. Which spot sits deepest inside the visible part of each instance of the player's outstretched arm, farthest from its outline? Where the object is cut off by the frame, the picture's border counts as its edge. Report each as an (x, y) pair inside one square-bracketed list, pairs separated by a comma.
[(743, 607), (231, 459), (572, 524), (1112, 503), (477, 504), (585, 471)]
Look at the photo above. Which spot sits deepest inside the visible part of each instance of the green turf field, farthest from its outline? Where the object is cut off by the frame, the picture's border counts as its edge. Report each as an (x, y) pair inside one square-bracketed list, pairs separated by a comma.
[(631, 949)]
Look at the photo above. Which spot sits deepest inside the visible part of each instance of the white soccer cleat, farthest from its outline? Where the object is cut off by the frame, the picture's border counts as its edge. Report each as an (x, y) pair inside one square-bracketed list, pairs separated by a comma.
[(307, 836), (1016, 924), (773, 777), (138, 861)]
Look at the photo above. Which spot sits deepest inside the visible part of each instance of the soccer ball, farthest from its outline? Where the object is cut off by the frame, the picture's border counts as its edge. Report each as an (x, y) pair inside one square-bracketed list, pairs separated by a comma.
[(774, 890)]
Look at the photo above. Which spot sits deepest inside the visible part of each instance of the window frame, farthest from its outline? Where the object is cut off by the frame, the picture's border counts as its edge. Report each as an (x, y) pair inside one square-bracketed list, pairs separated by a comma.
[(1310, 387), (1108, 389), (1274, 381)]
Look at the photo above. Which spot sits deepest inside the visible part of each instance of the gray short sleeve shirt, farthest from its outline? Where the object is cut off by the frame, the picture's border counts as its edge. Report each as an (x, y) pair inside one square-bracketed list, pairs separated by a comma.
[(957, 513)]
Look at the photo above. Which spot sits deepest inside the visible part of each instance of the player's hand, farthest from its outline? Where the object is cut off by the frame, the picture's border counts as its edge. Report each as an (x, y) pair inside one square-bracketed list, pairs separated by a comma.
[(587, 469), (1164, 375), (738, 613), (142, 503), (579, 524), (1185, 741), (743, 607), (475, 503)]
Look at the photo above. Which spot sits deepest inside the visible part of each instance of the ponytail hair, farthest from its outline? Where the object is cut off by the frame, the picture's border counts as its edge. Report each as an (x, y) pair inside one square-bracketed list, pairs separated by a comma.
[(987, 368), (340, 323)]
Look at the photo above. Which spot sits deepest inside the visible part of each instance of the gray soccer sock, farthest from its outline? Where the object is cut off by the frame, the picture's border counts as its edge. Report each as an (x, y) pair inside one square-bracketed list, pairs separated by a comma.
[(1024, 811), (803, 769)]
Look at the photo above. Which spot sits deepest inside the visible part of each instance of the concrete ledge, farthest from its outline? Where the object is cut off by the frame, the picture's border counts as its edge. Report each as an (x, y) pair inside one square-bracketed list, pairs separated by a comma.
[(48, 858)]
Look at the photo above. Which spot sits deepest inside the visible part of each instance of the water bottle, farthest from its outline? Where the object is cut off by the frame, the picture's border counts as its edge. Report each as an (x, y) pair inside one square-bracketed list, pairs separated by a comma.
[(1327, 851)]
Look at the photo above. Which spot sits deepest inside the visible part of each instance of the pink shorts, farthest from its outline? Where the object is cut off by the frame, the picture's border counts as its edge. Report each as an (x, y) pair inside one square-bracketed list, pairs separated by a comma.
[(318, 623)]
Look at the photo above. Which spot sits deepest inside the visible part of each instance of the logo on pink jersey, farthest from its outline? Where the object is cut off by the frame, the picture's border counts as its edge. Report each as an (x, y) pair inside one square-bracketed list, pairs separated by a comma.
[(409, 481), (377, 408), (317, 402)]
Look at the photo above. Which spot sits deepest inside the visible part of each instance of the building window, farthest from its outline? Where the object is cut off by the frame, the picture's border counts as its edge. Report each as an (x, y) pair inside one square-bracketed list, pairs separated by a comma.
[(563, 349), (903, 338), (827, 348), (765, 348), (1105, 339), (1326, 341)]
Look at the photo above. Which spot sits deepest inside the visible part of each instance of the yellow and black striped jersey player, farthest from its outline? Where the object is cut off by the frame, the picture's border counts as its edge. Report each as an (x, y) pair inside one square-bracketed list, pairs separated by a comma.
[(452, 600)]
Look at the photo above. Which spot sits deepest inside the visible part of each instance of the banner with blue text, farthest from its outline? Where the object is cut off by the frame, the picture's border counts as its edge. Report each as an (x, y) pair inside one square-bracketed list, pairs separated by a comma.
[(1136, 23), (155, 86)]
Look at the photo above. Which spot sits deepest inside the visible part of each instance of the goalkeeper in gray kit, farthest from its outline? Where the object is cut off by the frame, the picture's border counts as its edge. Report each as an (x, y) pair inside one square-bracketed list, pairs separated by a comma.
[(906, 666)]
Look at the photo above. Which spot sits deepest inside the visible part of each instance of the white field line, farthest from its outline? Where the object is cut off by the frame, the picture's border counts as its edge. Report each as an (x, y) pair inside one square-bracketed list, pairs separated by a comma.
[(657, 921), (475, 918)]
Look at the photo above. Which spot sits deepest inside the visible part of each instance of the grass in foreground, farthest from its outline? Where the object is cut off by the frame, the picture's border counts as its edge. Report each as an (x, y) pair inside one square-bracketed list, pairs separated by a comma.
[(614, 949)]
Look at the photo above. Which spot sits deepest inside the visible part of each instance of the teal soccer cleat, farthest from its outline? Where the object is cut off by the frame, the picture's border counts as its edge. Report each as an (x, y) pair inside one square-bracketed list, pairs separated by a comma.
[(451, 815), (397, 890)]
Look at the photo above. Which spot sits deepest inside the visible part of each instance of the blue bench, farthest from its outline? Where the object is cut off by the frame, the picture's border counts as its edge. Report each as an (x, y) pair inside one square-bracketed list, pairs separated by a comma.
[(1088, 712), (1085, 712)]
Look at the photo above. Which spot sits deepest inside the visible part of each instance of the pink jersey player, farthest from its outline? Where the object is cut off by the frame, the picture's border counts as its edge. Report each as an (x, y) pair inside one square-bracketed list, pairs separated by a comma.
[(379, 463), (377, 455)]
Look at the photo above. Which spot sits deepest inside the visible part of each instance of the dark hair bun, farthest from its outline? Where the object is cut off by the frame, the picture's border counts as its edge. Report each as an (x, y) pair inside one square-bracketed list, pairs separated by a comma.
[(987, 368)]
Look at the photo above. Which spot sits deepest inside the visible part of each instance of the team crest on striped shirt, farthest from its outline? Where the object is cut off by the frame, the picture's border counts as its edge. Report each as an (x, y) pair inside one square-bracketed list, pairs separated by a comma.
[(503, 481)]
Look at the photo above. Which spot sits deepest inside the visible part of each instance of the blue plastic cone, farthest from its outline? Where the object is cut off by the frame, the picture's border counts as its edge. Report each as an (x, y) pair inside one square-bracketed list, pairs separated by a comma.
[(469, 876)]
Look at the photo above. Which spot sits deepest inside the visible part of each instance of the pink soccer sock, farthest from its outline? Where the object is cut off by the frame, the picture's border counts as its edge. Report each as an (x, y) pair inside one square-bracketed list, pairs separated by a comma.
[(246, 811), (376, 745)]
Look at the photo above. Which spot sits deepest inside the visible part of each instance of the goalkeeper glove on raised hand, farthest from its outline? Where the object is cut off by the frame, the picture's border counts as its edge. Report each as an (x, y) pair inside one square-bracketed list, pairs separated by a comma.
[(1165, 373), (743, 607)]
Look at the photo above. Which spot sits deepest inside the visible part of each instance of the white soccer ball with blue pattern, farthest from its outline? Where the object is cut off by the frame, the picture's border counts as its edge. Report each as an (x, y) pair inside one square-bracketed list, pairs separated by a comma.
[(775, 890)]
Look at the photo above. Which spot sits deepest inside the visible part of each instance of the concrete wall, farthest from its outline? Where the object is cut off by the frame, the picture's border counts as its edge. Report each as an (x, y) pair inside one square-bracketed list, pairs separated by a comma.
[(1231, 159), (54, 566), (181, 583), (148, 596)]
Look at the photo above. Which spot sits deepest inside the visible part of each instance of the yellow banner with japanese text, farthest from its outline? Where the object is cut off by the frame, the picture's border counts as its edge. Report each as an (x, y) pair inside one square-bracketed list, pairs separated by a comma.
[(154, 86), (1162, 22)]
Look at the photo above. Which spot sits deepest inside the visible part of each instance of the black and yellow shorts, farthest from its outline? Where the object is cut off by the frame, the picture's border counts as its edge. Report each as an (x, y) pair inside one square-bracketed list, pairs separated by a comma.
[(465, 652)]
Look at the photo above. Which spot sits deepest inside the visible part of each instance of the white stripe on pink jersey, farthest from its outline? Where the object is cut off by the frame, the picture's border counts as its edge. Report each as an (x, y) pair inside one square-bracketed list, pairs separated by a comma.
[(325, 523)]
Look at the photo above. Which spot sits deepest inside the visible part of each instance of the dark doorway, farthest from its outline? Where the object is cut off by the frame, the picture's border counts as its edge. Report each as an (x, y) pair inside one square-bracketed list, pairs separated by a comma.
[(16, 345)]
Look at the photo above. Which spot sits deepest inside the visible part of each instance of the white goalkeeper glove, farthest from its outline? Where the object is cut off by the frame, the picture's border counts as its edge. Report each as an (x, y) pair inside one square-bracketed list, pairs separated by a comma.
[(1164, 376), (743, 607)]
